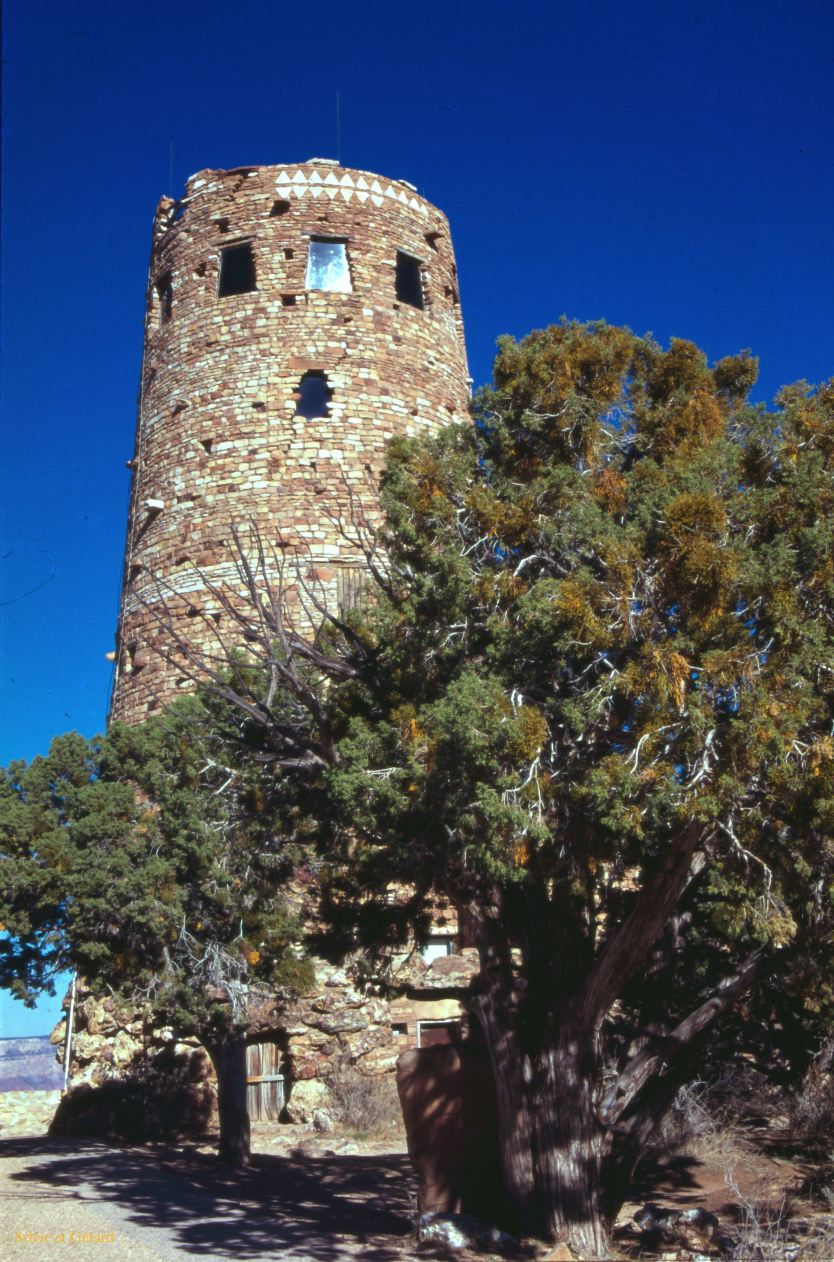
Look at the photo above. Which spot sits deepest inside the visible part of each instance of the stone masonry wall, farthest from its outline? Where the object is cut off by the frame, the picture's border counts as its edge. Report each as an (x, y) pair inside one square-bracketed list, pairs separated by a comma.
[(218, 439), (219, 444), (337, 1025)]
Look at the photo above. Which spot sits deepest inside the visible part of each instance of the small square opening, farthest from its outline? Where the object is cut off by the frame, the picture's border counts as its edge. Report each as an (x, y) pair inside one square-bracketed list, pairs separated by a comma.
[(237, 270), (314, 395)]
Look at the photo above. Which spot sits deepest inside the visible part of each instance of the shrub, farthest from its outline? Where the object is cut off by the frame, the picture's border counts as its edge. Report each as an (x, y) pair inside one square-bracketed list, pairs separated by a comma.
[(365, 1104)]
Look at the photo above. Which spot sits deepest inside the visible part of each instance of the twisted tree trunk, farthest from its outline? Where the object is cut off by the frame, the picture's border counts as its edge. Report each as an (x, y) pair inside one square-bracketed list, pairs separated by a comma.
[(568, 1146), (228, 1056), (571, 1146), (553, 1147)]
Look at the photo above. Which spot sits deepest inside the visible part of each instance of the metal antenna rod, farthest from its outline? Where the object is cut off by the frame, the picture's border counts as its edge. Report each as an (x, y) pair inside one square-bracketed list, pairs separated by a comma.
[(338, 129), (171, 167)]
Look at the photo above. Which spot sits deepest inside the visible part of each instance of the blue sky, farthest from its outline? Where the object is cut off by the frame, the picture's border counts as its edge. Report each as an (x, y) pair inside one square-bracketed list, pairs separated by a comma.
[(666, 166)]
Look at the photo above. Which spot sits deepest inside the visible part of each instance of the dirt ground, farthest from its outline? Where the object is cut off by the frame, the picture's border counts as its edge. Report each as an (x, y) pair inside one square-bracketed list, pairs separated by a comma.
[(307, 1198), (308, 1203), (732, 1185)]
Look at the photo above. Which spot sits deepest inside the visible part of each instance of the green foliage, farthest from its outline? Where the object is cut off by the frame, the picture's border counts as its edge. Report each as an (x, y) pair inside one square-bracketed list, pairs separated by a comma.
[(611, 613), (148, 859)]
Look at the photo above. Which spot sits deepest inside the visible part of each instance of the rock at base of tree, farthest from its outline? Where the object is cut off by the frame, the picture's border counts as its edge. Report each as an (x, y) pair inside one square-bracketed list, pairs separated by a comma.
[(560, 1253), (694, 1228), (462, 1231)]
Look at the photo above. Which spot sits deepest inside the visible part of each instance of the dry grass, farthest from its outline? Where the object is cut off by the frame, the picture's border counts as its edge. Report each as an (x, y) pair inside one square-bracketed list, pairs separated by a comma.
[(365, 1105), (730, 1126), (769, 1231), (700, 1125)]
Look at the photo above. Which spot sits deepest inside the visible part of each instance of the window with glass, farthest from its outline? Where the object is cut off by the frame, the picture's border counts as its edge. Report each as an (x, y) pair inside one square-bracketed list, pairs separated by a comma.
[(439, 944), (328, 267)]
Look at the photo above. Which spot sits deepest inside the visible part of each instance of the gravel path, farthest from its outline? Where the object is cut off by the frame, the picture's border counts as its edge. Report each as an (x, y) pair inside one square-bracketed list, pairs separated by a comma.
[(158, 1205)]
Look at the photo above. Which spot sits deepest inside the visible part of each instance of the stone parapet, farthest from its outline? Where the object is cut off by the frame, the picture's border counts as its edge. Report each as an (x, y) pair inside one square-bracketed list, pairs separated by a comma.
[(27, 1112)]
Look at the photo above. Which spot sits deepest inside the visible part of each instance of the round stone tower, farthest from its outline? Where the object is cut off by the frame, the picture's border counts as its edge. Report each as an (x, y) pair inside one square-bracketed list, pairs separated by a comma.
[(297, 318)]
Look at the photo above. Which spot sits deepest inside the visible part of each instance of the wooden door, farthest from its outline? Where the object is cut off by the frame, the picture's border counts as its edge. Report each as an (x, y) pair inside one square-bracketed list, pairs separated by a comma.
[(265, 1091)]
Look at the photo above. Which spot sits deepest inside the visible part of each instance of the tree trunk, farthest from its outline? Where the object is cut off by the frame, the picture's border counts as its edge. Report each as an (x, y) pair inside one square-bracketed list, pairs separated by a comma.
[(229, 1059), (553, 1149), (547, 1073), (509, 1070), (571, 1148)]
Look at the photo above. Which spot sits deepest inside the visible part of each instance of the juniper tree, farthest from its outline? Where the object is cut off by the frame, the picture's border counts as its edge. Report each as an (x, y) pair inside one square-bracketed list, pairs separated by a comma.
[(148, 860), (588, 697)]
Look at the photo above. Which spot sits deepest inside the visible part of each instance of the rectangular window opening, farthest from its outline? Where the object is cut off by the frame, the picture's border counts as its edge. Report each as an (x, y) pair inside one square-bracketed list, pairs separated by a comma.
[(409, 280), (438, 944), (165, 298), (327, 266), (432, 1033), (237, 270)]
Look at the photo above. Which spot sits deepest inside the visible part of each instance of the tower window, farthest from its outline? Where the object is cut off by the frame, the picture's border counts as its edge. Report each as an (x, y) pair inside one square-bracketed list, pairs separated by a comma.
[(237, 270), (165, 298), (409, 280), (327, 266), (314, 395)]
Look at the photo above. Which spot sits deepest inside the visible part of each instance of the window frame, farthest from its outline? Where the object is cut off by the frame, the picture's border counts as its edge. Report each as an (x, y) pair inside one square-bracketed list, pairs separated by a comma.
[(419, 266), (318, 239), (228, 248)]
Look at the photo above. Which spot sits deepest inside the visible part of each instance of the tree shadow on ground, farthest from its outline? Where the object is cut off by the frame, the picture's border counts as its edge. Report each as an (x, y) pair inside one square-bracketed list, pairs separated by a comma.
[(319, 1208), (671, 1181), (672, 1178)]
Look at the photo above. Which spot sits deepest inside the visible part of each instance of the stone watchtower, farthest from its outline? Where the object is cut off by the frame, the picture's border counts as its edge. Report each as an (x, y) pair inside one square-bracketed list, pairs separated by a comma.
[(297, 318)]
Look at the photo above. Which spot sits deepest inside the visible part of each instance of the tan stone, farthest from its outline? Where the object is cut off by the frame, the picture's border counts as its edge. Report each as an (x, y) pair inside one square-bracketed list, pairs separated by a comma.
[(387, 364), (218, 440), (305, 1098)]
